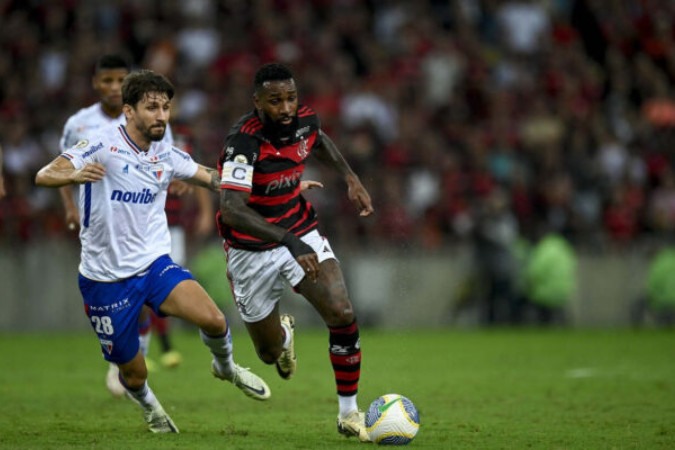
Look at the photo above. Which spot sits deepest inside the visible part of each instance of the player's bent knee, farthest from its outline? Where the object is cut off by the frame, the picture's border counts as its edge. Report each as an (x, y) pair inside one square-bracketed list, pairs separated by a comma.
[(339, 313), (214, 323)]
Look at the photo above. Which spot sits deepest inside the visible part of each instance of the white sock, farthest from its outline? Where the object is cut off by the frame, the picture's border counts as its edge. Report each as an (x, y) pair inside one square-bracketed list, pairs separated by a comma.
[(287, 335), (144, 343), (144, 396), (221, 348), (347, 405)]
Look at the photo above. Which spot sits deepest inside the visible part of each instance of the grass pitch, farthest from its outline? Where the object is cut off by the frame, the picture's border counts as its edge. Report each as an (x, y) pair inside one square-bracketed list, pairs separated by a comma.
[(488, 389)]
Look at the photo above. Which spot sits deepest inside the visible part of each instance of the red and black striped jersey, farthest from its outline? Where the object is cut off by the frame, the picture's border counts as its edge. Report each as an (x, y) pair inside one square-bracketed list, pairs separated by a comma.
[(271, 173)]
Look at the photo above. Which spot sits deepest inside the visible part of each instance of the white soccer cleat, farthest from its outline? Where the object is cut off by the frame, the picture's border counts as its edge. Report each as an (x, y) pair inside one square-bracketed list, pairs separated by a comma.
[(159, 421), (288, 362), (353, 425), (112, 381), (249, 383)]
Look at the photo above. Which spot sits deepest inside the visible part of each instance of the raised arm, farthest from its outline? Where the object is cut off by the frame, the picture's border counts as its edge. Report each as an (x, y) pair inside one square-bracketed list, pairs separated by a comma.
[(328, 153), (61, 172)]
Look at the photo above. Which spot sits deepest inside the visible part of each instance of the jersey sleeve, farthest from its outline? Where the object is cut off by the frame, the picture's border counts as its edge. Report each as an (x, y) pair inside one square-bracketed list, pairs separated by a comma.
[(85, 152), (183, 164), (237, 162)]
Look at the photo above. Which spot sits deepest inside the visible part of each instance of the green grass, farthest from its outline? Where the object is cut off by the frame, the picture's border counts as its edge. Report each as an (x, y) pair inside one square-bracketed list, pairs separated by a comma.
[(501, 389)]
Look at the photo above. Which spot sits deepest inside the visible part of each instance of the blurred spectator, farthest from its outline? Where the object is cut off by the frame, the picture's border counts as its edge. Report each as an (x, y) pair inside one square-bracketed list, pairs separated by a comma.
[(525, 25), (495, 237), (565, 105), (2, 175)]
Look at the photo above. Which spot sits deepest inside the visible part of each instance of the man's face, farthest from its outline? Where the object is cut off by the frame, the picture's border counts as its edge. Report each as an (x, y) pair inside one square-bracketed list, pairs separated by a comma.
[(108, 85), (277, 104), (150, 115)]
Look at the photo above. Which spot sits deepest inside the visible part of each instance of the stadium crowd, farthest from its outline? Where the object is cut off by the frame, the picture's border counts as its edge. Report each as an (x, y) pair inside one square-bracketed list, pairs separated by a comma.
[(561, 109)]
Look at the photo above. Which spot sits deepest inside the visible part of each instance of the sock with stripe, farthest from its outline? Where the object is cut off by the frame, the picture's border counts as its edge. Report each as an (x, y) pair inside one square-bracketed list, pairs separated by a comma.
[(222, 349), (143, 395), (345, 356)]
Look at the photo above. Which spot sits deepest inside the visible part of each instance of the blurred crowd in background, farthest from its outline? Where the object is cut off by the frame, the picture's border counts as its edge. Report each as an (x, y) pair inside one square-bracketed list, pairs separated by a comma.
[(513, 116)]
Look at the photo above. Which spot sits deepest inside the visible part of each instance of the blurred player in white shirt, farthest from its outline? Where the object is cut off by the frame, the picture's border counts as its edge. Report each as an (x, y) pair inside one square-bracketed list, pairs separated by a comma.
[(125, 172)]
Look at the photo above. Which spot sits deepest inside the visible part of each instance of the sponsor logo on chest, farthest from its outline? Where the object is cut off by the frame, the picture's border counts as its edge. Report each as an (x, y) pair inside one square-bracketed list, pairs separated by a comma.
[(284, 181)]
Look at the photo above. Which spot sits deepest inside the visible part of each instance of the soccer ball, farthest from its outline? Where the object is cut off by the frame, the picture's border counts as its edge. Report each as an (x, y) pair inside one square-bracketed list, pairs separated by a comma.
[(392, 420)]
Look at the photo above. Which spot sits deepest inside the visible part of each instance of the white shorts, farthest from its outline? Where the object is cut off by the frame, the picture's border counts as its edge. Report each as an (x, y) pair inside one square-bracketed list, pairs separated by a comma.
[(257, 278)]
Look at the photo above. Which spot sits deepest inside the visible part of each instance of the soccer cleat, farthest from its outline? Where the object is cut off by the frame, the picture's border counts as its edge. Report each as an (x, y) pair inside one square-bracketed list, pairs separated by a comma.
[(171, 359), (159, 421), (288, 362), (353, 425), (249, 383), (112, 381)]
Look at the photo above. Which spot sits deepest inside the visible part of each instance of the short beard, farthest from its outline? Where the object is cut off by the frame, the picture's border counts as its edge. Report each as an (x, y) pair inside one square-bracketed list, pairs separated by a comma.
[(277, 132), (153, 137)]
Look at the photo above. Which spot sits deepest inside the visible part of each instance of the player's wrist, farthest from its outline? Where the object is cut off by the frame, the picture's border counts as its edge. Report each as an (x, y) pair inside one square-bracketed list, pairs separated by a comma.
[(295, 245)]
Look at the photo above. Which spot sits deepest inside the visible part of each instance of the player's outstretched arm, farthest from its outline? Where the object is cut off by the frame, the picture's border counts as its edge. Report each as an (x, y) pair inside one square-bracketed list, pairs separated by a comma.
[(206, 177), (61, 172), (328, 153)]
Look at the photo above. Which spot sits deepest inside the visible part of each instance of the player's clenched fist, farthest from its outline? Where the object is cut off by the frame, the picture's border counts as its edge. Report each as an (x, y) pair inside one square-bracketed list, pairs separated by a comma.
[(90, 172)]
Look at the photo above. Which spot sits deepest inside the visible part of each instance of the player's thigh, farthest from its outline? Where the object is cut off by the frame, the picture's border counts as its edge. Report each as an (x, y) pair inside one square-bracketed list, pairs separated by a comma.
[(257, 280), (188, 300), (113, 310), (328, 294)]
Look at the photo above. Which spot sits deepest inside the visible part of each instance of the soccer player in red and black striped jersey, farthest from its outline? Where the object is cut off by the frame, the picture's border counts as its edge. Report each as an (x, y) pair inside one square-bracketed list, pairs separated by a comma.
[(271, 235)]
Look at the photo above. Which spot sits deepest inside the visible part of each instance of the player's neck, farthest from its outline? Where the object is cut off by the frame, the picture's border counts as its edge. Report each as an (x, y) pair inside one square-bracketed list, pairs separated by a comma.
[(111, 111)]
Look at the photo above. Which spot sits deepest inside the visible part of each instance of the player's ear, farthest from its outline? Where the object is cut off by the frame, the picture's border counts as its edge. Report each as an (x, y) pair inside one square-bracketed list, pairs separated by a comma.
[(127, 109)]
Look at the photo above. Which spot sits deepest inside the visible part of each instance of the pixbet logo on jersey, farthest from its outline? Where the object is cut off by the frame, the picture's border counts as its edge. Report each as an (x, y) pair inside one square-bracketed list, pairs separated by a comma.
[(143, 197), (283, 181)]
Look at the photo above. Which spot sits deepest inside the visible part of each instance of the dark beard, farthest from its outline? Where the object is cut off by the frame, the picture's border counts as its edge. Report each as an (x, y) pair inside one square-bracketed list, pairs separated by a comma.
[(279, 133), (152, 137)]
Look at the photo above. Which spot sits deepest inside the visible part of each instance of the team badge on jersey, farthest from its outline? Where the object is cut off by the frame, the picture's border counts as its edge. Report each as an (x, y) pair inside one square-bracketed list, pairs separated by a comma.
[(82, 143), (157, 170), (107, 345)]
